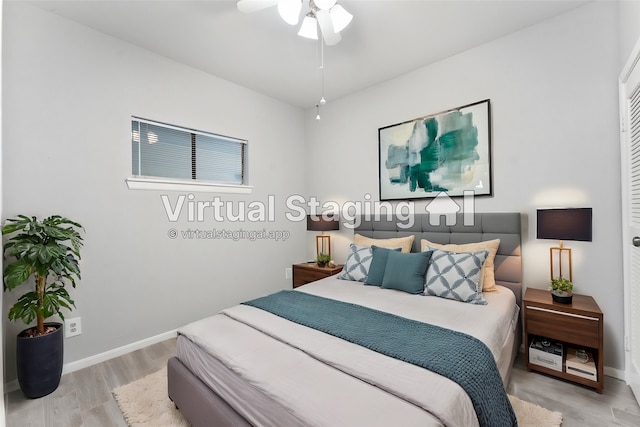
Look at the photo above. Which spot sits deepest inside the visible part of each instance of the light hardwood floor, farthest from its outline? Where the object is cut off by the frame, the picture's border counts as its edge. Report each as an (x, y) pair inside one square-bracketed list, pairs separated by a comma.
[(84, 397)]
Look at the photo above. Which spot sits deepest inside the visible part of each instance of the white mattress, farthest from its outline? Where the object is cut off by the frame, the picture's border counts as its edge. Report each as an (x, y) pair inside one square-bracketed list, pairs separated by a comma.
[(305, 377)]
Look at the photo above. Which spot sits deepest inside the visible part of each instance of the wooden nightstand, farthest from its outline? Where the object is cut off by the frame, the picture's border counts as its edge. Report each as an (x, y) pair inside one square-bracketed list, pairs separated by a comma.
[(579, 325), (310, 272)]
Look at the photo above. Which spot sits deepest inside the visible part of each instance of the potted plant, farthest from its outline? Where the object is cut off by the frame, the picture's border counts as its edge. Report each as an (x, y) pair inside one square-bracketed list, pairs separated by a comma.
[(46, 251), (562, 290), (323, 259)]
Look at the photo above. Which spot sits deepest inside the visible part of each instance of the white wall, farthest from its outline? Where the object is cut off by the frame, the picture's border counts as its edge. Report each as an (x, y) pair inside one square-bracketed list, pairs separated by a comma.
[(69, 93), (629, 27), (553, 91)]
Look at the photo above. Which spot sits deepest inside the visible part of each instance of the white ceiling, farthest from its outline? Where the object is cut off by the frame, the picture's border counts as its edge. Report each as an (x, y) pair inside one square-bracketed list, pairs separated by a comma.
[(386, 38)]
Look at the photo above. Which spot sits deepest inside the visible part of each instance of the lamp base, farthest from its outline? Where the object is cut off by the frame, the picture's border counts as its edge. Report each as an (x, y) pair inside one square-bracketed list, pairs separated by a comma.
[(323, 245), (560, 249)]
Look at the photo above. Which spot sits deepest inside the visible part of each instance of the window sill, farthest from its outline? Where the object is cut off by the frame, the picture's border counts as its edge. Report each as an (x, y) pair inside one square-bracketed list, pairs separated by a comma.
[(139, 183)]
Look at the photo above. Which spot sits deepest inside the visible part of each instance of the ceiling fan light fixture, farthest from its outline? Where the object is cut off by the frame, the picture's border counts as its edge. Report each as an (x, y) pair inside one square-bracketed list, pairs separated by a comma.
[(325, 19), (289, 11), (325, 4), (329, 35), (340, 18), (309, 27)]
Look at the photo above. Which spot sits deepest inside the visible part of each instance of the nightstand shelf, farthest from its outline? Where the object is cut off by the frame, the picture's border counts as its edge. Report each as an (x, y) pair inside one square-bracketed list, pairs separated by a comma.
[(310, 272), (579, 324)]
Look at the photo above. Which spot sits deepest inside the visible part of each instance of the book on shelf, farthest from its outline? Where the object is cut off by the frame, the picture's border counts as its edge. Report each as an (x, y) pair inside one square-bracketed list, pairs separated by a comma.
[(580, 363)]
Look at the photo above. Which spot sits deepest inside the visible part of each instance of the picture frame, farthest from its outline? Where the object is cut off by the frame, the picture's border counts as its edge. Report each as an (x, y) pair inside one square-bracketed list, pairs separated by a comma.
[(447, 152)]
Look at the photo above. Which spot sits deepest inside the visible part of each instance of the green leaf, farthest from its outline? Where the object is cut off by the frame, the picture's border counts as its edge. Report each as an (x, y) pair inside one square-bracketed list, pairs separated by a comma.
[(11, 228), (25, 309), (56, 298), (50, 252), (70, 264), (55, 233), (17, 273), (15, 224)]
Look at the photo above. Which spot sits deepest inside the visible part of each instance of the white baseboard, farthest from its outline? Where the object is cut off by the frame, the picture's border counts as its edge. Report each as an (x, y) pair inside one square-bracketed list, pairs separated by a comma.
[(615, 373), (101, 357)]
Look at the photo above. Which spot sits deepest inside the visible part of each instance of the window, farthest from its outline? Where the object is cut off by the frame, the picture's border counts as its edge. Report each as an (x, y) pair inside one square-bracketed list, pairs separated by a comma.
[(167, 154)]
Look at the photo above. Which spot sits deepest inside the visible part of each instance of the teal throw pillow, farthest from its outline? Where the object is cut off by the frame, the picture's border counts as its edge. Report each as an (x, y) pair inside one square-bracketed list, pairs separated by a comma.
[(406, 272), (378, 265)]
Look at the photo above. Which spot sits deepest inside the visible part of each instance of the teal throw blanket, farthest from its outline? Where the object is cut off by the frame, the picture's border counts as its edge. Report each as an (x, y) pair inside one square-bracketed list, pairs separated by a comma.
[(454, 355)]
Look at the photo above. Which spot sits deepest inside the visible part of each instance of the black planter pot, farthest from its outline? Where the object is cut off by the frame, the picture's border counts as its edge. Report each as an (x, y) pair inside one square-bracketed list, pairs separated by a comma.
[(39, 361), (564, 298)]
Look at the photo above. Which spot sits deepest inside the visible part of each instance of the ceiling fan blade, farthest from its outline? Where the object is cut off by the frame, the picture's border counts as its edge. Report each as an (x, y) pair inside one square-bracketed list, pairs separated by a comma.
[(326, 27), (289, 11), (248, 6)]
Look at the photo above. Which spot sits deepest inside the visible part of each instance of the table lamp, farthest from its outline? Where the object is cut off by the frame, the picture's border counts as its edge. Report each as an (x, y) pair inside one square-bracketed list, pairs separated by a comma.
[(564, 224), (323, 223)]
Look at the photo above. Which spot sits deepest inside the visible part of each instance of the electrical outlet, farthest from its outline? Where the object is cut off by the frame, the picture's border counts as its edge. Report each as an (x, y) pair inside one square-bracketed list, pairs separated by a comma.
[(72, 327), (287, 273)]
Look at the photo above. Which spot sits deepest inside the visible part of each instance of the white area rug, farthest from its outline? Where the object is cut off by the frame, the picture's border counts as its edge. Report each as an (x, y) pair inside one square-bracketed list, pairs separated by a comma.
[(145, 403), (531, 415)]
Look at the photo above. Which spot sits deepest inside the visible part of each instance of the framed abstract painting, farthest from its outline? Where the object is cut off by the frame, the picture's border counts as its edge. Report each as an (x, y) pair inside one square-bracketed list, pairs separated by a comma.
[(446, 152)]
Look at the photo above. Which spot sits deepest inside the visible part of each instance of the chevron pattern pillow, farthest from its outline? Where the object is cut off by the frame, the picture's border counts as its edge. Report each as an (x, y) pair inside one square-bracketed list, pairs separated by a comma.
[(356, 267), (456, 275)]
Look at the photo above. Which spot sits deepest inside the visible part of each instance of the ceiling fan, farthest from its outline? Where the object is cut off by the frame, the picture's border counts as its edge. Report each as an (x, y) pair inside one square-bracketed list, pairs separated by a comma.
[(327, 15)]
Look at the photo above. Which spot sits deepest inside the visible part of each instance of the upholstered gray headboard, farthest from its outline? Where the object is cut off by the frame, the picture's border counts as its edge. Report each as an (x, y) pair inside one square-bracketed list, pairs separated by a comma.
[(485, 226)]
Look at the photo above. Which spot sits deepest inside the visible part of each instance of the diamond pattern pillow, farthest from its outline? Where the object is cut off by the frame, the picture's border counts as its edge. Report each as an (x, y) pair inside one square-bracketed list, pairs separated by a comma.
[(456, 275), (487, 277), (356, 267)]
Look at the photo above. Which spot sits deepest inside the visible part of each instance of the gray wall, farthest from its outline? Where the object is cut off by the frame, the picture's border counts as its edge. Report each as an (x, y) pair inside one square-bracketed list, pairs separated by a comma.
[(553, 91), (69, 95)]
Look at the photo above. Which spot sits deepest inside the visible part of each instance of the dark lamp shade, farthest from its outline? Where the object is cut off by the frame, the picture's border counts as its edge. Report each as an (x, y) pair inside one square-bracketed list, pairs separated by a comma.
[(318, 223), (565, 224)]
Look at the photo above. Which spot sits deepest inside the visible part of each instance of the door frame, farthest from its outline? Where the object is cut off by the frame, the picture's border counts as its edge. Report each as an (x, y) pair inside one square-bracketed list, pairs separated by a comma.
[(623, 80)]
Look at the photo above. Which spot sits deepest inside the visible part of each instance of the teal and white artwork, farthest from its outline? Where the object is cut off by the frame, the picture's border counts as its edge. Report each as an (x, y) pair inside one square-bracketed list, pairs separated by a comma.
[(446, 152)]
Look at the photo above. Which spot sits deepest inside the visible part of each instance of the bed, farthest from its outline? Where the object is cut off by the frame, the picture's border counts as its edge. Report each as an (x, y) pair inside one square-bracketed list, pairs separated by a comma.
[(250, 366)]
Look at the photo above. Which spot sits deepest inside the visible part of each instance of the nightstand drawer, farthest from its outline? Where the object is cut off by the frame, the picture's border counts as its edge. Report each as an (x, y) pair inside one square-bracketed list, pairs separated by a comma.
[(575, 328)]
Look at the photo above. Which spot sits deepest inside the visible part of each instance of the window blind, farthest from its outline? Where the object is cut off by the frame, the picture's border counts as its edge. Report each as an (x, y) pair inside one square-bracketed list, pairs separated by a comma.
[(168, 151)]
